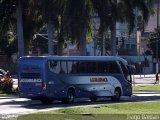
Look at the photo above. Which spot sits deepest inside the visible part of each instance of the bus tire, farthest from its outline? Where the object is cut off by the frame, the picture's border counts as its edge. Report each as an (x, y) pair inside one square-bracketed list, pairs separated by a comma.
[(93, 99), (117, 95), (70, 96), (47, 101)]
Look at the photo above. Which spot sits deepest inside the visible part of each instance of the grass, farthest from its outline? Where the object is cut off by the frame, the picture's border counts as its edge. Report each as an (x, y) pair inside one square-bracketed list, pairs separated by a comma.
[(127, 108), (3, 94), (102, 112), (146, 88)]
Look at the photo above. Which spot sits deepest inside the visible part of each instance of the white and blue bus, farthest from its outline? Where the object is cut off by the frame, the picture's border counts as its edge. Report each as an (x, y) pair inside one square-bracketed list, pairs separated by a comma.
[(49, 78)]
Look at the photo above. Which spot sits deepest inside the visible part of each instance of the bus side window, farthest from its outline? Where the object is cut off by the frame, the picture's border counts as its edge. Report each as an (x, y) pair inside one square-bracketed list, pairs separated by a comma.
[(70, 66), (102, 67), (113, 67), (91, 67), (108, 67), (63, 67), (74, 67), (54, 66), (81, 67)]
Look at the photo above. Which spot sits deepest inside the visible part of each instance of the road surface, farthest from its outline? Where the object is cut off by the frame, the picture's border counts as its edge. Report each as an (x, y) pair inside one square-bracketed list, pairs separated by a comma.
[(14, 106)]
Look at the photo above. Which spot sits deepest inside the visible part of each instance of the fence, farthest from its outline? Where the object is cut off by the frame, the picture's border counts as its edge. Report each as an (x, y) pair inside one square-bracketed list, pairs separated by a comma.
[(144, 79)]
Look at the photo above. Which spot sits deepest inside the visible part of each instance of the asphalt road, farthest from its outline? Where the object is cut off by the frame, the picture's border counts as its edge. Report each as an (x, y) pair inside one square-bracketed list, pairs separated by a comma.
[(14, 106)]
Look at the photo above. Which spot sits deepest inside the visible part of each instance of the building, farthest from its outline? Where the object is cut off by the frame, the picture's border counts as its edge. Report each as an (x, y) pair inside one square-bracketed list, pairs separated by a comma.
[(134, 46)]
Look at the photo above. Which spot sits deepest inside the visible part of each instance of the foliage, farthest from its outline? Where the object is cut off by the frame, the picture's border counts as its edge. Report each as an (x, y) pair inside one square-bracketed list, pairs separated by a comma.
[(76, 15), (146, 88), (7, 15), (72, 19), (8, 46), (40, 43), (154, 42)]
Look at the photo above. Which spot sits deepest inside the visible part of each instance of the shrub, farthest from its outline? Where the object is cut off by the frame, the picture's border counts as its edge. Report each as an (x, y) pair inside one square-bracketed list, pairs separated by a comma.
[(6, 84)]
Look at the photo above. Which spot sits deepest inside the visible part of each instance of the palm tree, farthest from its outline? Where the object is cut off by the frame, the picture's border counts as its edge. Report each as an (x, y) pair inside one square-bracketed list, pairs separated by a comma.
[(128, 15), (8, 21), (26, 13), (51, 10), (22, 14), (20, 36), (113, 11), (77, 18), (7, 16)]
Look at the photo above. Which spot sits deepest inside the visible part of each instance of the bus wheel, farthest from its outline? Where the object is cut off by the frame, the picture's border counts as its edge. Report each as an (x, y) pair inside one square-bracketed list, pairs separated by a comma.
[(47, 101), (93, 99), (117, 95), (70, 96)]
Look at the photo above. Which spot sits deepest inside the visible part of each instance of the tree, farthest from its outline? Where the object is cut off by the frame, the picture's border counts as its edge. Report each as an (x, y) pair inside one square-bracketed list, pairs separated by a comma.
[(153, 41), (77, 18), (72, 18), (17, 10), (113, 11), (51, 10), (20, 36), (8, 44), (7, 15)]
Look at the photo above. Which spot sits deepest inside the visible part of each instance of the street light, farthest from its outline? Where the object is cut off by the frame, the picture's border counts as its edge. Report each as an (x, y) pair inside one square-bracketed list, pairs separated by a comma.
[(41, 35)]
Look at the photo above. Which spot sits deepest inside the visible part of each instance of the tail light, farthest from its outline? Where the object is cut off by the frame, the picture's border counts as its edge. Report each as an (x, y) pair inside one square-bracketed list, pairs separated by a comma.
[(43, 85), (19, 85)]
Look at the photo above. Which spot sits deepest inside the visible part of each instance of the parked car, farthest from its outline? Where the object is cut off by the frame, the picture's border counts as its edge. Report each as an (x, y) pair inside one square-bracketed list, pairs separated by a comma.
[(2, 73), (6, 82)]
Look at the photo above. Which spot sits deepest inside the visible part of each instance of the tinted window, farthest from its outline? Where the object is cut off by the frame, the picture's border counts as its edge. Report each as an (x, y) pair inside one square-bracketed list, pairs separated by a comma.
[(63, 67), (108, 67), (98, 67), (54, 66), (74, 67), (81, 67), (70, 66), (91, 67), (113, 67)]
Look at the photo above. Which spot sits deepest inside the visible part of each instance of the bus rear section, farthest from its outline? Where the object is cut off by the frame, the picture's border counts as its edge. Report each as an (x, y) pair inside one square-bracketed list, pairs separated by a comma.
[(30, 78)]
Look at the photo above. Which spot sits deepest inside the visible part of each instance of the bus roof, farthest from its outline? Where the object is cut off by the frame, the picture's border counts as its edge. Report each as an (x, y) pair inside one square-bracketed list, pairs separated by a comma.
[(92, 58)]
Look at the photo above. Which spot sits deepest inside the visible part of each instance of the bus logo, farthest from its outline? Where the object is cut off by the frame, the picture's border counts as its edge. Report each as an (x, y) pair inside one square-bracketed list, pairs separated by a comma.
[(98, 79), (31, 80)]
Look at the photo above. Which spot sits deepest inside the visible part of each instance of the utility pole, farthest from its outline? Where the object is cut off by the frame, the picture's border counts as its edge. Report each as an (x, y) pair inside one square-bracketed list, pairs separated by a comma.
[(157, 69)]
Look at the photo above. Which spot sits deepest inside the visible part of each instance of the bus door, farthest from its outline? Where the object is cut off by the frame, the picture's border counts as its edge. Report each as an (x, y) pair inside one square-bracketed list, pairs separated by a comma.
[(127, 82), (53, 76)]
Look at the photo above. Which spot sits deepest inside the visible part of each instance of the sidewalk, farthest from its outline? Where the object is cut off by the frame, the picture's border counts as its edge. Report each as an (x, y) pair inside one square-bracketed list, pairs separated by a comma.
[(144, 79), (11, 99), (147, 92)]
